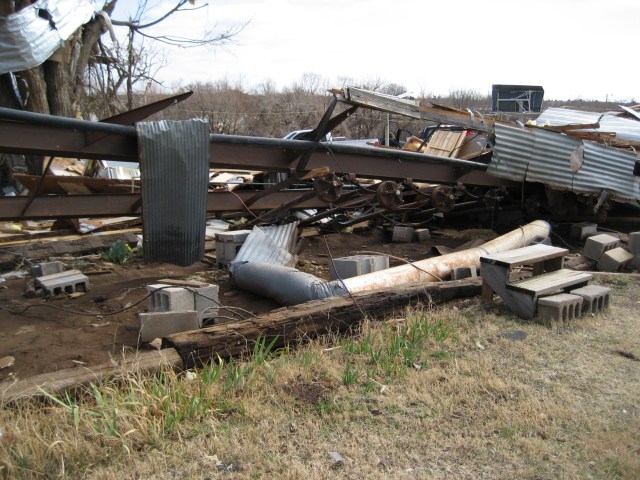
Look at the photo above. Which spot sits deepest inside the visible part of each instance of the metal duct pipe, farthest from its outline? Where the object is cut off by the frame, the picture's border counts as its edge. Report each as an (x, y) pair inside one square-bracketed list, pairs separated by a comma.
[(439, 268), (289, 286)]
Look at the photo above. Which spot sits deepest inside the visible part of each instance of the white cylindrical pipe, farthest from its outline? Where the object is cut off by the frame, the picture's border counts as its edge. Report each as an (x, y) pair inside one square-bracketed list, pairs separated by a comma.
[(439, 268)]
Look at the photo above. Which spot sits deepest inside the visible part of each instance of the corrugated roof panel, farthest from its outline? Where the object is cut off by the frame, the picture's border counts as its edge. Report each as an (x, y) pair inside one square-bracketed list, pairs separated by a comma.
[(273, 245), (537, 155), (512, 153), (174, 163), (27, 39), (623, 127)]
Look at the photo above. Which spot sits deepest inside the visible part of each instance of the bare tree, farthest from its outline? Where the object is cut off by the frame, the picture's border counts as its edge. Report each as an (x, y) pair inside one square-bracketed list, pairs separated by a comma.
[(86, 66)]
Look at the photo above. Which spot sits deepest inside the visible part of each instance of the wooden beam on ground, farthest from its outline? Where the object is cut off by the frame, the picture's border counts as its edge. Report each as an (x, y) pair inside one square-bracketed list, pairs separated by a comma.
[(70, 378), (286, 325)]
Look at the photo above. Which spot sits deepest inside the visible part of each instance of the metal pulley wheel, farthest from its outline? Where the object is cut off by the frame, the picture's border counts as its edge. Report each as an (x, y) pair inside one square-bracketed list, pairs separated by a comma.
[(328, 187), (389, 194), (443, 198)]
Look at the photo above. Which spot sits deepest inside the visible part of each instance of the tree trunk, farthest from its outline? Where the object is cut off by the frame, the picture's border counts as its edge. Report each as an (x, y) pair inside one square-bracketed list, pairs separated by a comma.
[(58, 88), (308, 320)]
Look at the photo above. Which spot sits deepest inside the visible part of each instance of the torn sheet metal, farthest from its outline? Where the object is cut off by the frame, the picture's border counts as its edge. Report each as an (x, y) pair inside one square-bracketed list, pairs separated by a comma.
[(272, 245), (31, 35), (174, 157), (623, 127), (565, 163)]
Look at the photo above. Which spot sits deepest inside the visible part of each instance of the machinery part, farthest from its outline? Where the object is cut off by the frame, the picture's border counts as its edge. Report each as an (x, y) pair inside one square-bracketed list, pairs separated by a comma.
[(328, 187), (389, 194), (443, 198)]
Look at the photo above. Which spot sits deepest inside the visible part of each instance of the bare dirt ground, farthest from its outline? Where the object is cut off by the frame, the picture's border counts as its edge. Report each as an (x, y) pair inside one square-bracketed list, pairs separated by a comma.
[(62, 332)]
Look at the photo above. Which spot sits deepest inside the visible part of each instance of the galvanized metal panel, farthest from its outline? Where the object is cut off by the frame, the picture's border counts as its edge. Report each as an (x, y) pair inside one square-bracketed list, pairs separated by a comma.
[(174, 160), (511, 154), (623, 127), (536, 155), (27, 39), (273, 245)]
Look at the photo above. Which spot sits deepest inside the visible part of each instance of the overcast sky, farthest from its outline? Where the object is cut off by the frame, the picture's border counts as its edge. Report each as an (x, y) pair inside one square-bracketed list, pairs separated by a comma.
[(573, 48)]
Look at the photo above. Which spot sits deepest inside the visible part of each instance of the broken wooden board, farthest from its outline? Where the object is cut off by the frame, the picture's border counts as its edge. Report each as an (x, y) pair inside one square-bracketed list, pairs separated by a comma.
[(70, 378), (288, 325), (11, 254)]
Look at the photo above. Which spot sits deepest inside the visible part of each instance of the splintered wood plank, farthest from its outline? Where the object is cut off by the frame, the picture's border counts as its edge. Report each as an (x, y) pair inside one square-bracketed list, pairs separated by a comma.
[(444, 143)]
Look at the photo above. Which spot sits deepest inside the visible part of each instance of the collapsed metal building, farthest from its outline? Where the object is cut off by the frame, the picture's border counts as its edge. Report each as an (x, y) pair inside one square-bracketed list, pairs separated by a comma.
[(469, 162)]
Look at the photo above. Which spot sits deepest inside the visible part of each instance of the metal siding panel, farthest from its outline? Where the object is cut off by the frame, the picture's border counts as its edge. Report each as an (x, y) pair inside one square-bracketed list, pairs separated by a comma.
[(543, 156), (27, 40), (174, 160), (550, 159), (511, 153)]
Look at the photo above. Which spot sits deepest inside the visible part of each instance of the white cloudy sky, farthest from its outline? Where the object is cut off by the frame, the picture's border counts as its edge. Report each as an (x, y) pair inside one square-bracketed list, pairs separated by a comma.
[(573, 48)]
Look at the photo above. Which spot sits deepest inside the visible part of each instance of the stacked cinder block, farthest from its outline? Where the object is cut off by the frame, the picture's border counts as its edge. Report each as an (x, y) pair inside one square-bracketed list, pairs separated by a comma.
[(70, 281), (560, 308), (614, 260), (228, 245), (176, 309), (167, 298), (580, 231), (355, 265), (596, 245), (595, 298)]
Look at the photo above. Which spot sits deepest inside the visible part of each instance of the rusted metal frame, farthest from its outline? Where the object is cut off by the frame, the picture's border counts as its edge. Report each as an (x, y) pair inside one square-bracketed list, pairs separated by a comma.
[(17, 137), (63, 137), (317, 134), (36, 192), (112, 205), (274, 212)]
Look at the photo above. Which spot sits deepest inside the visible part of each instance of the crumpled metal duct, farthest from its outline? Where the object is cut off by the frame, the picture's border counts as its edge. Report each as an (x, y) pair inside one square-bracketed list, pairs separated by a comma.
[(289, 286)]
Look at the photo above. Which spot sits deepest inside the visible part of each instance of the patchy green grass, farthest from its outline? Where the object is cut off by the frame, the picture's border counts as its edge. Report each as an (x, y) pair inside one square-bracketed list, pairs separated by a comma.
[(433, 393)]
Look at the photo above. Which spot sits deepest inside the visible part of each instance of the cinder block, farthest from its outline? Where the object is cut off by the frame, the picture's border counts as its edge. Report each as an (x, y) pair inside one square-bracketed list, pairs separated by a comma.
[(352, 266), (560, 308), (614, 260), (583, 230), (228, 245), (595, 246), (64, 282), (595, 298), (459, 273), (402, 234), (165, 298), (421, 234), (634, 243), (159, 324), (46, 268)]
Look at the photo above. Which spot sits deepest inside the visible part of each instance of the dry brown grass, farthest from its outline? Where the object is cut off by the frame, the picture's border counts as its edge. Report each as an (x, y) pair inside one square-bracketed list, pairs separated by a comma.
[(558, 404)]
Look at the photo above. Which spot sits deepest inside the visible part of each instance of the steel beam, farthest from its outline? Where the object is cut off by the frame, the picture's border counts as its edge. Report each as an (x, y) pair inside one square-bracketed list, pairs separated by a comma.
[(114, 205)]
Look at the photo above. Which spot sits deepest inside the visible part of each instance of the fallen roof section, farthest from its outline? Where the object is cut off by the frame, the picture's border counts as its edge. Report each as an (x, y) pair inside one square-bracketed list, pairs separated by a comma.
[(565, 163)]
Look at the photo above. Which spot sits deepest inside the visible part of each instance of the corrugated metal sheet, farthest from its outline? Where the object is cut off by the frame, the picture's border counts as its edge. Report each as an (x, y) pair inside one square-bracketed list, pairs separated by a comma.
[(273, 245), (27, 39), (623, 127), (535, 155), (174, 161)]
